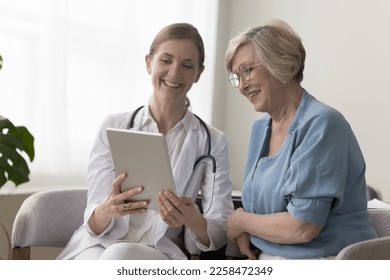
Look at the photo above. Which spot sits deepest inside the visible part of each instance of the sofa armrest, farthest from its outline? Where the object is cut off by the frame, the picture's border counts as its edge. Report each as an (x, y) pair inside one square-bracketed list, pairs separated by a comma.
[(49, 218), (373, 249)]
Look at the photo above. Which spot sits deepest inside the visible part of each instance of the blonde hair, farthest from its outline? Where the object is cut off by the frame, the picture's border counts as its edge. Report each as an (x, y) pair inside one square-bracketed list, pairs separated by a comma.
[(277, 46), (179, 31)]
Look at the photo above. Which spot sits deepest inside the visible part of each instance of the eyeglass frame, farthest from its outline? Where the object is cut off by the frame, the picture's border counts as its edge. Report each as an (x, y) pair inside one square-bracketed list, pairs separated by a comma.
[(237, 76)]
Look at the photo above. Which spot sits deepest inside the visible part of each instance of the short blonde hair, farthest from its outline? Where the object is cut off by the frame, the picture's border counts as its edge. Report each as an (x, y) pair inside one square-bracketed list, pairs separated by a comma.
[(278, 47)]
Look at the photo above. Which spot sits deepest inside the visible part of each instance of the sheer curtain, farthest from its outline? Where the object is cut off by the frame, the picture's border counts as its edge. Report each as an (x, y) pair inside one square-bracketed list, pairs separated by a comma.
[(69, 63)]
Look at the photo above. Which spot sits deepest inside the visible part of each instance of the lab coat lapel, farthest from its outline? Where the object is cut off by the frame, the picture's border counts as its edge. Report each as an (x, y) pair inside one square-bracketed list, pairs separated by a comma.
[(183, 168)]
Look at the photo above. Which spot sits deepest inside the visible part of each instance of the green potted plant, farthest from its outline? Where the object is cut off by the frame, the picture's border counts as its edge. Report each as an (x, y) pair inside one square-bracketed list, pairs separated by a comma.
[(15, 143)]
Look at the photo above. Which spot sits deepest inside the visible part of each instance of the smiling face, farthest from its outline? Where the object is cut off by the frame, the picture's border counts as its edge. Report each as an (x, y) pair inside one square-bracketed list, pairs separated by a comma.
[(174, 68), (262, 89)]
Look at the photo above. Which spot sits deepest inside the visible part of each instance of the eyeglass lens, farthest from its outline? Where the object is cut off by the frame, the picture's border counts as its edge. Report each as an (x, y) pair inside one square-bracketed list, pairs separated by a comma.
[(245, 72)]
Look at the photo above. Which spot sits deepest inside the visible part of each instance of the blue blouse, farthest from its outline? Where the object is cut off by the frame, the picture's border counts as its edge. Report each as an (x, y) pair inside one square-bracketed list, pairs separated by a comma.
[(318, 176)]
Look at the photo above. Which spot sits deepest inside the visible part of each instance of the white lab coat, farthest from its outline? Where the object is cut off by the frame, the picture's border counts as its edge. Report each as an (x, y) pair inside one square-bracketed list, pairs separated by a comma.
[(101, 173)]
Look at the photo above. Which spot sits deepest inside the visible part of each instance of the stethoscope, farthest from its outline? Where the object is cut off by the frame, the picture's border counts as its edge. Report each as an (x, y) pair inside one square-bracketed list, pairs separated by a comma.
[(201, 158)]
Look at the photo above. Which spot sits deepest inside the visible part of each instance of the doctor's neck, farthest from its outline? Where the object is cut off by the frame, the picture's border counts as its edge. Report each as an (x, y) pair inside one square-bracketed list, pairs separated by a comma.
[(167, 114)]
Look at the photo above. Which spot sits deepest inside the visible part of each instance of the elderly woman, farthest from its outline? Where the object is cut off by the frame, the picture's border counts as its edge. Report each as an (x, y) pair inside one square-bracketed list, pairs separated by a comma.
[(304, 188)]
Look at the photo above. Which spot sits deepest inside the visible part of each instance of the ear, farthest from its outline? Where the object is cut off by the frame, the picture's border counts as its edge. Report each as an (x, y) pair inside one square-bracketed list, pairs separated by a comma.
[(148, 60), (199, 74)]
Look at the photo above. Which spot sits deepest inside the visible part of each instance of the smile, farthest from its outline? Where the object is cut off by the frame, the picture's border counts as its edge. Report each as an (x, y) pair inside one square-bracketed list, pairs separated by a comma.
[(171, 84), (253, 94)]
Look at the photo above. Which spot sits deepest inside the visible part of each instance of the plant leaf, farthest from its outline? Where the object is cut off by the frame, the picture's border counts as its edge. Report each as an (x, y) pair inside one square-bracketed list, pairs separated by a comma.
[(27, 141), (14, 141), (17, 171)]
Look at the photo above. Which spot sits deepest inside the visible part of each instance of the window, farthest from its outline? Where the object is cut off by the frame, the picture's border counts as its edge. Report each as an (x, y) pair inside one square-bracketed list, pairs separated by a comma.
[(69, 63)]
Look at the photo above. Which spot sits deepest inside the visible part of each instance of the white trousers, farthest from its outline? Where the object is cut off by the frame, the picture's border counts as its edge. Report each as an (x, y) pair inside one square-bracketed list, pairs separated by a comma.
[(121, 251)]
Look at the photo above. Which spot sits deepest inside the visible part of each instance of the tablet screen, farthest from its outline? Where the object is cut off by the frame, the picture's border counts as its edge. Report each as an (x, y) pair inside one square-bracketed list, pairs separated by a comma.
[(144, 157)]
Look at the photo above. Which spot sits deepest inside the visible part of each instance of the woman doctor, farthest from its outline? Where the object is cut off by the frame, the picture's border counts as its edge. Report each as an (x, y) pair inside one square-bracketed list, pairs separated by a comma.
[(114, 229)]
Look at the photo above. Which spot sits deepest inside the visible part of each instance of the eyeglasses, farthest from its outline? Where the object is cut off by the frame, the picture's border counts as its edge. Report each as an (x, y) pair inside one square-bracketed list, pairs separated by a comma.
[(244, 72)]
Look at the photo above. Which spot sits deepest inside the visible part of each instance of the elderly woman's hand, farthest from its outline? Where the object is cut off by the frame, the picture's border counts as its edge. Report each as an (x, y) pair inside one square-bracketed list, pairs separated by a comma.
[(245, 246), (234, 226)]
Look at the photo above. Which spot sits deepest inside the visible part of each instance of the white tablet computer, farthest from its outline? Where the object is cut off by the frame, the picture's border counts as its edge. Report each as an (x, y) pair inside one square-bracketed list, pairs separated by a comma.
[(144, 157)]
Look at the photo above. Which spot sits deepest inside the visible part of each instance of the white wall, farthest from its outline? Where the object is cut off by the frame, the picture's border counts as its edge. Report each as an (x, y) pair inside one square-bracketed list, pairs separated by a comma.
[(347, 66)]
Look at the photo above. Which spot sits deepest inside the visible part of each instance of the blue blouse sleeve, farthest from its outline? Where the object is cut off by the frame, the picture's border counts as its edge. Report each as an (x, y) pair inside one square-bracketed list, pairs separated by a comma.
[(316, 178)]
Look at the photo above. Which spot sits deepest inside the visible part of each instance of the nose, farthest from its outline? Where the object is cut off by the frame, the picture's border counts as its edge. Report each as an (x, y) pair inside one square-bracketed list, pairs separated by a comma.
[(173, 70), (242, 85)]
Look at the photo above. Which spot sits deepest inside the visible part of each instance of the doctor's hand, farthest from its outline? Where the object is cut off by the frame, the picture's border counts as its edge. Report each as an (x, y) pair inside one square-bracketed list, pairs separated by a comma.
[(115, 206), (176, 211)]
